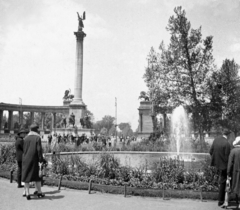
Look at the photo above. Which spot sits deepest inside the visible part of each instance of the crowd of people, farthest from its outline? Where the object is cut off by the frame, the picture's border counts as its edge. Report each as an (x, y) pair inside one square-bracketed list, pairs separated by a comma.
[(225, 156), (106, 141)]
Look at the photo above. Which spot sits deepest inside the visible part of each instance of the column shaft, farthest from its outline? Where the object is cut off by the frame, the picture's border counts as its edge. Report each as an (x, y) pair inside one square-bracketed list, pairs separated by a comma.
[(31, 117), (20, 118), (42, 120), (53, 121), (1, 120), (10, 120), (78, 69)]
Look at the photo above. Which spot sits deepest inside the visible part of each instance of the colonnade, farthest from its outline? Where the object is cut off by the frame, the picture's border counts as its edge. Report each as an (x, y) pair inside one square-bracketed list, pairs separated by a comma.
[(9, 127)]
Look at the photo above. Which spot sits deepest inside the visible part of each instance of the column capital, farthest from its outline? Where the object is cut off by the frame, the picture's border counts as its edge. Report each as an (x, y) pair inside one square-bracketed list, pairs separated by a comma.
[(79, 35)]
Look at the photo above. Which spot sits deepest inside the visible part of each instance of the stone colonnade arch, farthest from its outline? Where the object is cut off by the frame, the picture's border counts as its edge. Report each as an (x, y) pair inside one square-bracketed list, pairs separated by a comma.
[(10, 108)]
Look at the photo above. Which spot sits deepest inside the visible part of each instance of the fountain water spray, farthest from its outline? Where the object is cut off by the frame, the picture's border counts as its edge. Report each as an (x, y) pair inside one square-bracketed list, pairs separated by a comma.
[(179, 127)]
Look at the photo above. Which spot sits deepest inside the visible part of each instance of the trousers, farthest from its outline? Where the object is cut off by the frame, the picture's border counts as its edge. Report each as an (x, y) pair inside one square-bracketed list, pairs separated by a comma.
[(19, 172), (222, 184)]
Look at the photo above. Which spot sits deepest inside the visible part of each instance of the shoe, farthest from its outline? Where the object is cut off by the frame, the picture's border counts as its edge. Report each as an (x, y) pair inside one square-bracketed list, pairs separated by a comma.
[(20, 186), (24, 195), (220, 203), (28, 197), (35, 193), (225, 205), (41, 195)]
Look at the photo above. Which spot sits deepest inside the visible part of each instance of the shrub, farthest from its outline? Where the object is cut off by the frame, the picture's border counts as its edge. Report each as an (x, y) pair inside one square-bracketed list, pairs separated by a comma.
[(168, 170), (108, 166), (7, 154), (97, 146), (60, 165), (123, 173)]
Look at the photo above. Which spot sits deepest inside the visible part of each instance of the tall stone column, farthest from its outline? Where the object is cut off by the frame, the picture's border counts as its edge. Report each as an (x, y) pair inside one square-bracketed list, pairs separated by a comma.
[(1, 120), (42, 120), (77, 106), (10, 120), (78, 69), (31, 117), (53, 121), (20, 117)]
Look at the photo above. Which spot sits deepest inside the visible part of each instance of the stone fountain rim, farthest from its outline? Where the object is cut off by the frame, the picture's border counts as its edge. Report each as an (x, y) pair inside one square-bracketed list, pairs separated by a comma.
[(127, 152)]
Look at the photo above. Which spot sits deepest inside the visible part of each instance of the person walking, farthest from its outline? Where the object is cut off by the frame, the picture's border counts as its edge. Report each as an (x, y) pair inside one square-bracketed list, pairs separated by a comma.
[(32, 156), (219, 152), (19, 152), (233, 169)]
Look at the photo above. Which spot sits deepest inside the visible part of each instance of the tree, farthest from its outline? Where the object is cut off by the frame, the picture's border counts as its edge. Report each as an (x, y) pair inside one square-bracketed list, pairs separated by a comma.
[(123, 125), (180, 73), (226, 96), (126, 129), (112, 131), (106, 122)]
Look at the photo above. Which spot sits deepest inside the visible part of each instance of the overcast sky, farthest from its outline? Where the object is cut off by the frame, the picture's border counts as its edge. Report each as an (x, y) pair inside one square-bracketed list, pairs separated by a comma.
[(37, 47)]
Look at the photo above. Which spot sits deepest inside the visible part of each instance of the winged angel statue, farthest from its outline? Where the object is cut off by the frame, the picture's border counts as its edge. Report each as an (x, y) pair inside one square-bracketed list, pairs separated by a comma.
[(80, 21)]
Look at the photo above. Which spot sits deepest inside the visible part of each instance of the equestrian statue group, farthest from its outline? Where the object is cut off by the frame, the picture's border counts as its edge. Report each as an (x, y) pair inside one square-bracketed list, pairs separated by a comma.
[(85, 121)]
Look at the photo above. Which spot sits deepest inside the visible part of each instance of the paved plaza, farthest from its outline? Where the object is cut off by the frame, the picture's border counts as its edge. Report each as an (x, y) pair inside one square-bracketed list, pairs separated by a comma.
[(11, 199)]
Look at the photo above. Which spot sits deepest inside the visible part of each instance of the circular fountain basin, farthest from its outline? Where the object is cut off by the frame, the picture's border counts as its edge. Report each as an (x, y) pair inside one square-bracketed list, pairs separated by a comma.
[(137, 159)]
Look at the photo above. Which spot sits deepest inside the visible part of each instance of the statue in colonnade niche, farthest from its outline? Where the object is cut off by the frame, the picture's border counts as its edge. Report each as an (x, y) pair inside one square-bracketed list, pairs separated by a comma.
[(63, 122), (71, 119)]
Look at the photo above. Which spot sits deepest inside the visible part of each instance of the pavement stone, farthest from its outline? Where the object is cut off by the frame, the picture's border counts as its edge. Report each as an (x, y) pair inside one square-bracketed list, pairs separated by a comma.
[(11, 199)]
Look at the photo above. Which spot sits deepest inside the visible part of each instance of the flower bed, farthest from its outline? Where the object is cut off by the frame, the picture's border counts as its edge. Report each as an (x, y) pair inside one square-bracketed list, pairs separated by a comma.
[(134, 191), (167, 173)]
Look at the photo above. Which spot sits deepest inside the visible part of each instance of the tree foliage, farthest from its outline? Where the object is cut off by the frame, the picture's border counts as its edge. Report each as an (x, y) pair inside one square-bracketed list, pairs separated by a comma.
[(225, 101), (126, 129), (107, 122), (180, 73)]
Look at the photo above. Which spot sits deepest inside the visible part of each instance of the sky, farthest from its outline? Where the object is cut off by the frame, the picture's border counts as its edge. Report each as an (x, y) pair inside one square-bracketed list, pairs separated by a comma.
[(38, 48)]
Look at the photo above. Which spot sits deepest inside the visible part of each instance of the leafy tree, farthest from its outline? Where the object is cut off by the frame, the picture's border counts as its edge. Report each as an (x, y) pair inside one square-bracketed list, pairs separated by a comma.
[(180, 73), (106, 122), (225, 102), (112, 131), (103, 131), (126, 129), (123, 125)]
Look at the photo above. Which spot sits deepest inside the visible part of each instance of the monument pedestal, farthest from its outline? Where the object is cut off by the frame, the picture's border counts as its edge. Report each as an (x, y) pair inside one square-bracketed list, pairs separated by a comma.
[(78, 111), (146, 119)]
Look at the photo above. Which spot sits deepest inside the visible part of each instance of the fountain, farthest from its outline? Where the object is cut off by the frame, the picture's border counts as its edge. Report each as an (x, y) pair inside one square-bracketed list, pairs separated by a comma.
[(179, 129)]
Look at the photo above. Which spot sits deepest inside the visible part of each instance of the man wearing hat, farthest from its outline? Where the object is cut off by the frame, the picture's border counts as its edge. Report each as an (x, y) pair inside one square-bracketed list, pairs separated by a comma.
[(19, 152), (219, 152), (32, 156)]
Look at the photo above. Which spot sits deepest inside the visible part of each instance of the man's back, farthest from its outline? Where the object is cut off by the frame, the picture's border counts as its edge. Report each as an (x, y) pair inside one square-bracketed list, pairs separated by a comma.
[(220, 151)]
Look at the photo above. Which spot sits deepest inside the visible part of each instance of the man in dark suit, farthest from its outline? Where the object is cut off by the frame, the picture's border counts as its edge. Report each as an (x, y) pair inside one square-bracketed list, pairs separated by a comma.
[(219, 152), (19, 152)]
